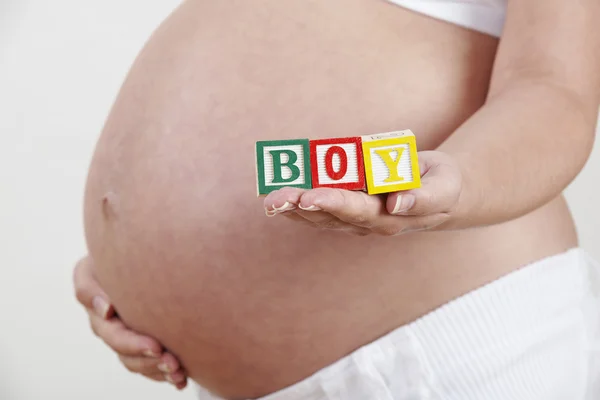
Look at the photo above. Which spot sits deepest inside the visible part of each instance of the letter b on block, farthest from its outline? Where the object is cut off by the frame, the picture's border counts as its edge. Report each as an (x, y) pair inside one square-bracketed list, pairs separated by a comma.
[(281, 163), (337, 163), (391, 162)]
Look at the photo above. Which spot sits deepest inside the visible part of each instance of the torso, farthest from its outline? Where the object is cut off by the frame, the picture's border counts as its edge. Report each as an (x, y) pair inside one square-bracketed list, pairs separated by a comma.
[(182, 246)]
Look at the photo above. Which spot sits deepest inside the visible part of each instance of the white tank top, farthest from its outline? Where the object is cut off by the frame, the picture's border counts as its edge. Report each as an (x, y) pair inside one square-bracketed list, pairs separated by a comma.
[(485, 16)]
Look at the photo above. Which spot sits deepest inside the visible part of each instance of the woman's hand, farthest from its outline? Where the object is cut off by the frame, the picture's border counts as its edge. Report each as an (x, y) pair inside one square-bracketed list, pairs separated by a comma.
[(358, 213), (138, 353)]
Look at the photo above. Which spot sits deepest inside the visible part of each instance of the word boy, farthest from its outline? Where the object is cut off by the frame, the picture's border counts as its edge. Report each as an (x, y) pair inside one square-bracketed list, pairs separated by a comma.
[(377, 163)]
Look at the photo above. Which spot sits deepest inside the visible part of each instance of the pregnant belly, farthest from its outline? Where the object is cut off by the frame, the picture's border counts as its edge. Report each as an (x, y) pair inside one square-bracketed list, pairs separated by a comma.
[(181, 243)]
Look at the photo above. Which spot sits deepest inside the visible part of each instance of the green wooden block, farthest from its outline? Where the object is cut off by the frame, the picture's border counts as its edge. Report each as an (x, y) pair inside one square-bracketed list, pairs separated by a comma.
[(282, 163)]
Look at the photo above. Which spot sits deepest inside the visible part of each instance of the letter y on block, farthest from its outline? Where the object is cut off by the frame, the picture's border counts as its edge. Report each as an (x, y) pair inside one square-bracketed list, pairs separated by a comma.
[(281, 163), (391, 162)]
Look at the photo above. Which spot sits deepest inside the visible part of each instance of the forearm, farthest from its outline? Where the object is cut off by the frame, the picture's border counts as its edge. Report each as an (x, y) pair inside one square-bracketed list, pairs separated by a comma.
[(519, 151)]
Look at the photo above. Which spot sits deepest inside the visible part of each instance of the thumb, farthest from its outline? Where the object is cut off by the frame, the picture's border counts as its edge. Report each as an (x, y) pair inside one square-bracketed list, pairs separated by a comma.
[(441, 184), (88, 291)]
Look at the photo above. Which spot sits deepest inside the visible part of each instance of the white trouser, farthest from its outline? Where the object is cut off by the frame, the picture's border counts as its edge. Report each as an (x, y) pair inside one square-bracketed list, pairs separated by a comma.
[(530, 335)]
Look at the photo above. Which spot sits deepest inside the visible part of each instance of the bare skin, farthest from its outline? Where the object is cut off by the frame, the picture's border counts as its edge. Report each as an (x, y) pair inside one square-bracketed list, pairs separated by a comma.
[(183, 248)]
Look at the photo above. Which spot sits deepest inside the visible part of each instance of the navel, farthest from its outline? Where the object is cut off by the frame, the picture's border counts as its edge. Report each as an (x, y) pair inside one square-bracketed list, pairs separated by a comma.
[(110, 205)]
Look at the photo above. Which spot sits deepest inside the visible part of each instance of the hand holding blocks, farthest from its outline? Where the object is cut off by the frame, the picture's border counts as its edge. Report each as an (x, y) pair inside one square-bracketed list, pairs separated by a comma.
[(378, 163)]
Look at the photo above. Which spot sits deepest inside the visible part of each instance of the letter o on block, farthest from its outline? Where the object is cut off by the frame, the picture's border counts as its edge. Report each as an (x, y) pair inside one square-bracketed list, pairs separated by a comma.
[(343, 163), (337, 163)]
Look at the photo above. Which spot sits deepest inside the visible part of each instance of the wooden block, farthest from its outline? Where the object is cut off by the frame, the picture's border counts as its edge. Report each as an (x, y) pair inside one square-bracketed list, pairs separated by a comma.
[(337, 163), (282, 163), (391, 162)]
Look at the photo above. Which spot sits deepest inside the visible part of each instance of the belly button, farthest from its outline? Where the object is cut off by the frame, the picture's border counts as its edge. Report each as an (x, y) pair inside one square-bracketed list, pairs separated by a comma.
[(110, 205)]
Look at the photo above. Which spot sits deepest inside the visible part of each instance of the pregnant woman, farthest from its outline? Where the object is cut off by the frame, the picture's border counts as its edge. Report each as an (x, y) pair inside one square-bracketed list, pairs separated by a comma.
[(470, 287)]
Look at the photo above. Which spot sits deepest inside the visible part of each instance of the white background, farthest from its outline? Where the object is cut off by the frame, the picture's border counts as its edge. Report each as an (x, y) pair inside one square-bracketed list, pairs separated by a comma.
[(61, 65)]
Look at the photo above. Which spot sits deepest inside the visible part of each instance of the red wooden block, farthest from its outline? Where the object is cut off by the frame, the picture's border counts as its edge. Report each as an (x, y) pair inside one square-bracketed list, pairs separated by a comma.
[(338, 163)]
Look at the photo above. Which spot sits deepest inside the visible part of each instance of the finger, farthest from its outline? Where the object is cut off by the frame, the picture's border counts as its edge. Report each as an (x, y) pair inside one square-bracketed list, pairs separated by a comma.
[(169, 363), (122, 340), (352, 207), (344, 227), (439, 191), (141, 365), (285, 201), (322, 219), (176, 377), (157, 376), (282, 200), (88, 291), (293, 216)]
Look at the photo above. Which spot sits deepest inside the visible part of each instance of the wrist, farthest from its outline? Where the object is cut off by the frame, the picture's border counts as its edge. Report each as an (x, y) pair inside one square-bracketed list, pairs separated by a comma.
[(463, 214)]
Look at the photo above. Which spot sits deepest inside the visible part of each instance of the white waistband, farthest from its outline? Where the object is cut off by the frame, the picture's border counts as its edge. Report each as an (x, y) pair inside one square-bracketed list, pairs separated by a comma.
[(509, 316), (486, 17)]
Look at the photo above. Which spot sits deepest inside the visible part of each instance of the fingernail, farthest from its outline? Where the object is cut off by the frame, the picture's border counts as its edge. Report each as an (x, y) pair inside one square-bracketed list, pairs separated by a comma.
[(287, 206), (310, 208), (100, 306), (164, 368), (150, 353), (270, 213), (404, 202), (169, 379)]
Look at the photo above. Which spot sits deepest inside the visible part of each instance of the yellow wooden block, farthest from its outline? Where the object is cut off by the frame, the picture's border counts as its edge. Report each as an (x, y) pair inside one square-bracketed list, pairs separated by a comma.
[(391, 162)]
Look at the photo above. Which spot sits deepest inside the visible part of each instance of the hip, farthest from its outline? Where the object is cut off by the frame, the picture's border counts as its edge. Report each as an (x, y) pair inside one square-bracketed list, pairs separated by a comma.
[(530, 334)]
